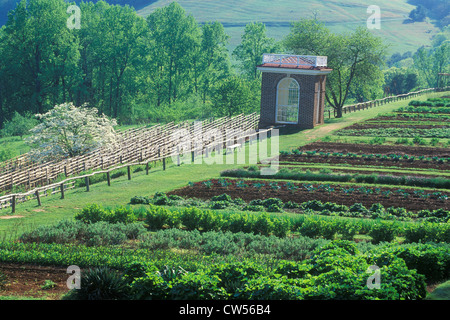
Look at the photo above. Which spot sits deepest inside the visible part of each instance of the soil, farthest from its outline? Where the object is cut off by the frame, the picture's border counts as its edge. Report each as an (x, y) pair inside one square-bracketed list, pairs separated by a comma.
[(393, 125), (412, 203), (379, 171), (286, 159), (26, 281), (377, 149), (400, 118)]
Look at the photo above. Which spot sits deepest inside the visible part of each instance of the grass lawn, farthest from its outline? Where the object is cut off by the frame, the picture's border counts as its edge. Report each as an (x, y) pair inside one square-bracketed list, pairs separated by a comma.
[(442, 292), (122, 190)]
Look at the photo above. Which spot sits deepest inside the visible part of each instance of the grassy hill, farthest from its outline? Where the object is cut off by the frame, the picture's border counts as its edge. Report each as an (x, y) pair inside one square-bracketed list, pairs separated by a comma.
[(339, 15)]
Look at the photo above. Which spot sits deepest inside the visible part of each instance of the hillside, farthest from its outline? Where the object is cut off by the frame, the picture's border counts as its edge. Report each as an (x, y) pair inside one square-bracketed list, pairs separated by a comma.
[(340, 15)]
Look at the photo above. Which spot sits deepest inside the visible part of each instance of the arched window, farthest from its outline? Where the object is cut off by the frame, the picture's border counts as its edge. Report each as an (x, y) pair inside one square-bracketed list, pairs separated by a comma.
[(288, 97)]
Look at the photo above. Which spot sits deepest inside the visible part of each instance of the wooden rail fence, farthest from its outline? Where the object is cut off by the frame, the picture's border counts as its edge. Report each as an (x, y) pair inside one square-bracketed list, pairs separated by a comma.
[(380, 102), (139, 147)]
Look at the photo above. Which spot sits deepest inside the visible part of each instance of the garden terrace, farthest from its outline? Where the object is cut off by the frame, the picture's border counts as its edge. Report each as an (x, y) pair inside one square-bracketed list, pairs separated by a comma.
[(346, 194), (375, 149)]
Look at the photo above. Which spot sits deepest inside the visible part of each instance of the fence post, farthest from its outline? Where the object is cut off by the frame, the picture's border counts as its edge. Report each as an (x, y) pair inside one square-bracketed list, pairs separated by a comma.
[(13, 204), (62, 190), (38, 197), (86, 181), (108, 178), (164, 164), (65, 171), (146, 169), (129, 172)]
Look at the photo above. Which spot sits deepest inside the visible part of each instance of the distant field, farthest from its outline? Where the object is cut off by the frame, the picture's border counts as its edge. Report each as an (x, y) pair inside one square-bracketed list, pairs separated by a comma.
[(340, 16)]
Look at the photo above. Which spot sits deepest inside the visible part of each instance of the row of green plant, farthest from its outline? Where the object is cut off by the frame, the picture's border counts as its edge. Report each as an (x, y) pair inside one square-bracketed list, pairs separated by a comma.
[(432, 110), (312, 279), (397, 132), (376, 211), (309, 225), (417, 116), (431, 259), (378, 156), (296, 174), (430, 103), (337, 270), (99, 233), (319, 187)]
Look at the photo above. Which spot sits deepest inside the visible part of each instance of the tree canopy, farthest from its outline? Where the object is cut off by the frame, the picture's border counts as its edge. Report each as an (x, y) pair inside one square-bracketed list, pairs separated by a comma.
[(356, 58)]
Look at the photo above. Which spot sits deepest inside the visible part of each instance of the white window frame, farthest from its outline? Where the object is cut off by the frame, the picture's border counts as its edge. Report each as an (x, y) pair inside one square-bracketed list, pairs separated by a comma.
[(298, 102)]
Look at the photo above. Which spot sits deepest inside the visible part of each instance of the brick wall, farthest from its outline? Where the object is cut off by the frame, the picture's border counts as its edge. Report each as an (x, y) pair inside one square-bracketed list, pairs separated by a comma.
[(309, 88)]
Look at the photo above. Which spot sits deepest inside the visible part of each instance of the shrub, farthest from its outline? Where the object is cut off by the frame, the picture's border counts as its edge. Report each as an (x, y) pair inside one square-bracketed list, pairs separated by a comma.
[(5, 154), (150, 286), (219, 204), (257, 208), (383, 231), (160, 217), (93, 213), (161, 200), (223, 197), (291, 205), (292, 269), (140, 200), (233, 277), (122, 215), (272, 201), (358, 207), (197, 286), (274, 208), (269, 288), (101, 283), (263, 224)]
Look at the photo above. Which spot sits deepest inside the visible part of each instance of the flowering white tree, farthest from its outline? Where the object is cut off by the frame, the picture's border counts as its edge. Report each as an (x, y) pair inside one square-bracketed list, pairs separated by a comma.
[(68, 131)]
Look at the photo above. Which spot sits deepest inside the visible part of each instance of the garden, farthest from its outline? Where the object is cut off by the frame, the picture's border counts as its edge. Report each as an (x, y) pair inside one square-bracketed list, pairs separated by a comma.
[(335, 212)]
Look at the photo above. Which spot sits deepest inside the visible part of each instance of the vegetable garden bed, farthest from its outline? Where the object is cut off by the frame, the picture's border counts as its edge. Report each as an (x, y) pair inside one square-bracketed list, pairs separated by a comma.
[(411, 199)]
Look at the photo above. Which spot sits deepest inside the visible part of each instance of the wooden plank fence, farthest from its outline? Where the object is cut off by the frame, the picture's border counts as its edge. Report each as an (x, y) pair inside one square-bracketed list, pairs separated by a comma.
[(383, 101), (138, 147)]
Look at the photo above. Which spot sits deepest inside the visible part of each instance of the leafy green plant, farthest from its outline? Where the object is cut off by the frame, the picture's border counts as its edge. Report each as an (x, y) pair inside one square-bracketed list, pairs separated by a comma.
[(48, 284), (101, 283)]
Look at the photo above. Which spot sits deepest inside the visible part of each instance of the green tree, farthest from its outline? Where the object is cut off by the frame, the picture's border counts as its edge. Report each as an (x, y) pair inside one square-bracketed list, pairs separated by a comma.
[(254, 42), (214, 64), (400, 80), (175, 36), (39, 56), (19, 125), (429, 63), (233, 96), (355, 58), (112, 57)]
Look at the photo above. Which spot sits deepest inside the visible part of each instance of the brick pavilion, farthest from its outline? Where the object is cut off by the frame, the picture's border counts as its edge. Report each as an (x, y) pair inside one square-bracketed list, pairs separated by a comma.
[(292, 90)]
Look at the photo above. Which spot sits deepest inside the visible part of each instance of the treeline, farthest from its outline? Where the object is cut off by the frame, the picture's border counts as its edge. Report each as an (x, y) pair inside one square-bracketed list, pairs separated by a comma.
[(435, 9), (163, 68)]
